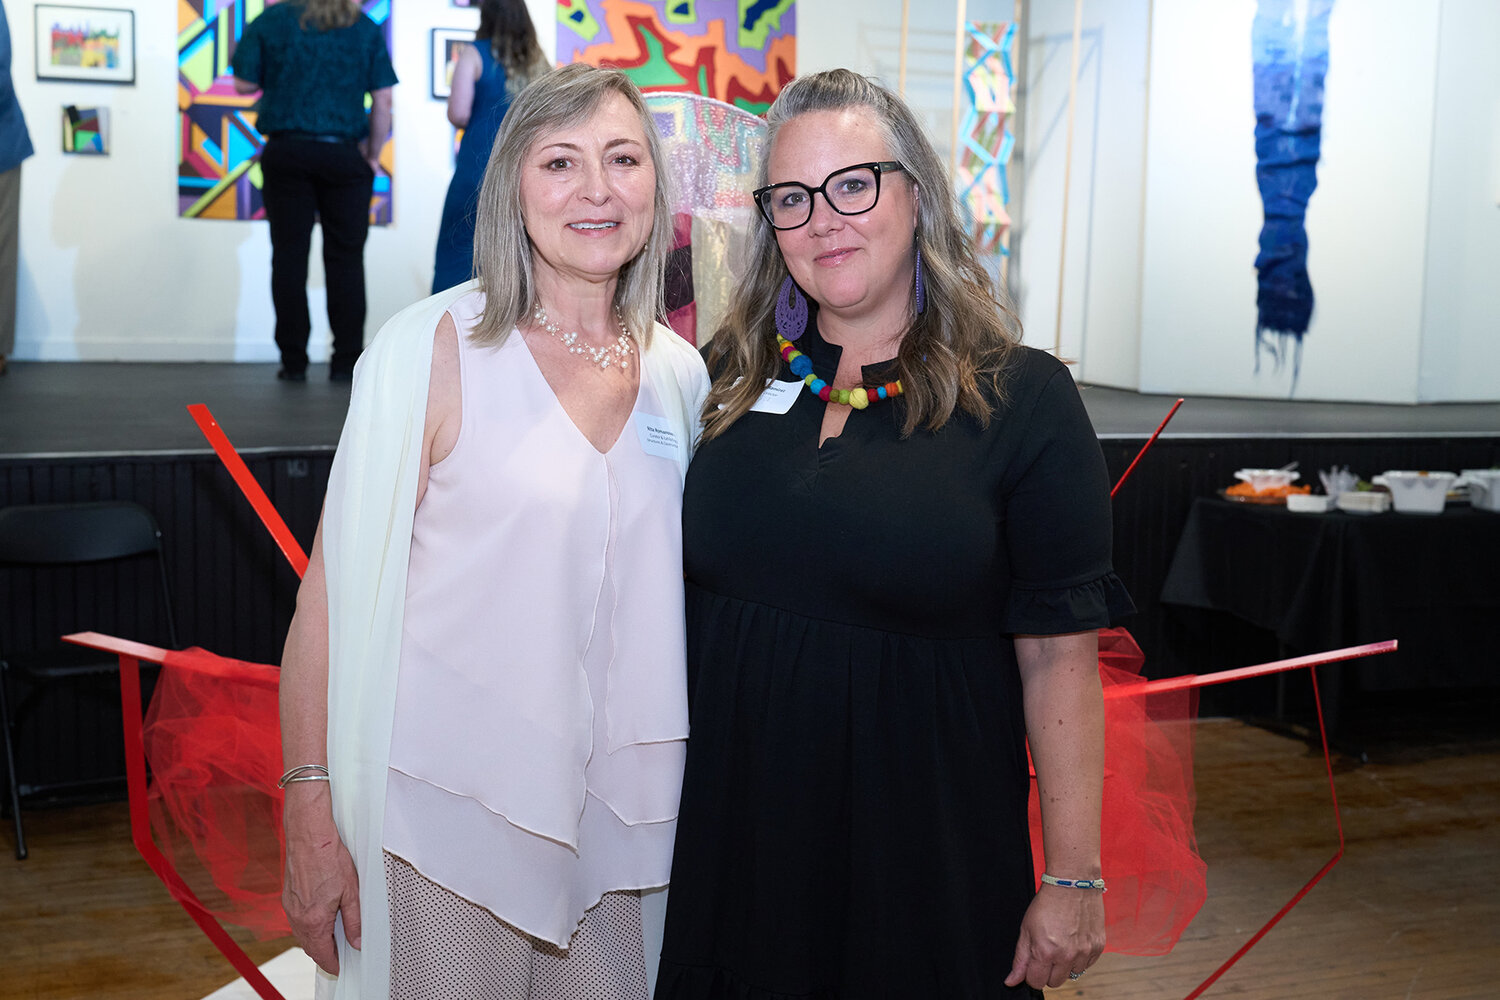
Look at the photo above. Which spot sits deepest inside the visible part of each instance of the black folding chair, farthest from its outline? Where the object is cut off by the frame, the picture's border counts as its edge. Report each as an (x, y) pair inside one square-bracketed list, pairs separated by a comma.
[(34, 538)]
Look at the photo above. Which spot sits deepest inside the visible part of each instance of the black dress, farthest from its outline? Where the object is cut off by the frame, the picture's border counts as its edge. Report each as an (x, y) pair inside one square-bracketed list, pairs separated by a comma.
[(853, 819)]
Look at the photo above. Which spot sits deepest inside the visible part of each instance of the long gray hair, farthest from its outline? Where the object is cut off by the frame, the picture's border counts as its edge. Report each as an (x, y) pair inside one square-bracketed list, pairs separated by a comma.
[(502, 250), (950, 353)]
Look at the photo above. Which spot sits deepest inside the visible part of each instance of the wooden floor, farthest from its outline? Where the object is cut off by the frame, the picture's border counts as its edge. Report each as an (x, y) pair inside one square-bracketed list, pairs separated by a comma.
[(1411, 913)]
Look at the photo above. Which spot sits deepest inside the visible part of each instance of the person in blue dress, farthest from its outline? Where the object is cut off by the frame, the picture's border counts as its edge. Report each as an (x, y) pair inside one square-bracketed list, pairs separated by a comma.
[(503, 59)]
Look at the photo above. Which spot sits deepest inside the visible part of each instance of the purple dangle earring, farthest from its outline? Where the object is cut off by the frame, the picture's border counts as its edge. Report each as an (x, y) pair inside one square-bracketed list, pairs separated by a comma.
[(921, 286), (791, 310)]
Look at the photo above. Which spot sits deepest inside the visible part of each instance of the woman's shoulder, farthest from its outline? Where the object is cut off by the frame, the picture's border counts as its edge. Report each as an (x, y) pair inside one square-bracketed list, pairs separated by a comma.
[(414, 326), (1028, 372)]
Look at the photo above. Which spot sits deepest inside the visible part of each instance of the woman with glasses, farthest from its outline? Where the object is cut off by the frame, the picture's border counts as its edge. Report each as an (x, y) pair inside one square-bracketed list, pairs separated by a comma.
[(897, 542)]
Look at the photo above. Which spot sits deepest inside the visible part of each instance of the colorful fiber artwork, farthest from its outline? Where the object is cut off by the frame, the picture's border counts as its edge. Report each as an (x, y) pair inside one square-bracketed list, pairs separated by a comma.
[(985, 142), (741, 52), (1289, 43), (711, 149), (85, 131), (218, 173)]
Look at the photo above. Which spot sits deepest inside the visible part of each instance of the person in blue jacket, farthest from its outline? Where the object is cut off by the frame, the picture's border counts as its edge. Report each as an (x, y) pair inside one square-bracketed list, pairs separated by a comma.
[(15, 146)]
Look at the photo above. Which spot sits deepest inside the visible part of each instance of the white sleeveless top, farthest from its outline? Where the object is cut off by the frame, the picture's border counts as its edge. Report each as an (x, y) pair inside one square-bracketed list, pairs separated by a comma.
[(541, 707)]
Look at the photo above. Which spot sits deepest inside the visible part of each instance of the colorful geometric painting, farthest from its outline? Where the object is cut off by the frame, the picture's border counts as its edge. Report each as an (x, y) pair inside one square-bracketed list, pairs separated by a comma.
[(741, 52), (985, 144), (218, 173), (85, 131), (1289, 46)]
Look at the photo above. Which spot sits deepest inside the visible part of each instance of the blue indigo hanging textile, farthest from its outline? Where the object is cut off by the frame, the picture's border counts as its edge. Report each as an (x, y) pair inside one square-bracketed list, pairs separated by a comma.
[(1290, 45)]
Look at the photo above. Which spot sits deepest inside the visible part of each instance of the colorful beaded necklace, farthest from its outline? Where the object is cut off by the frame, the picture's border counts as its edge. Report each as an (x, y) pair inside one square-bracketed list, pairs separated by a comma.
[(858, 397)]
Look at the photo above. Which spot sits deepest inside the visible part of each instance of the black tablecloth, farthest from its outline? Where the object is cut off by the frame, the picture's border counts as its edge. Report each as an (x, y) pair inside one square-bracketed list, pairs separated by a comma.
[(1321, 581)]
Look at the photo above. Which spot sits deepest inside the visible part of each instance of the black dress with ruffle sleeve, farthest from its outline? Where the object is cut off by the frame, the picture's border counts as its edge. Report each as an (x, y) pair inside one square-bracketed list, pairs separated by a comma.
[(853, 821)]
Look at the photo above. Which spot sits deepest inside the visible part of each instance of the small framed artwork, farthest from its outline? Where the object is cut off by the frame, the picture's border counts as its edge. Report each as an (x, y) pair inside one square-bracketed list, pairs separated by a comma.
[(447, 43), (85, 131), (93, 44)]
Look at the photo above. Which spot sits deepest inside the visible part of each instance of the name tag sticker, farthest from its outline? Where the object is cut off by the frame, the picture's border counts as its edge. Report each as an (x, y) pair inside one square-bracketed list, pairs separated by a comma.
[(657, 436), (778, 397)]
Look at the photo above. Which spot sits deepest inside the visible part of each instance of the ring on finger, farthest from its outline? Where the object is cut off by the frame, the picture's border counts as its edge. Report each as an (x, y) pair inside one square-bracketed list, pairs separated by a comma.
[(1075, 975)]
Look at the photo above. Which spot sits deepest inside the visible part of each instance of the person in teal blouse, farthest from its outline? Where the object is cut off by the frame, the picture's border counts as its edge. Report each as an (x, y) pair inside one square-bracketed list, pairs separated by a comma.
[(313, 62)]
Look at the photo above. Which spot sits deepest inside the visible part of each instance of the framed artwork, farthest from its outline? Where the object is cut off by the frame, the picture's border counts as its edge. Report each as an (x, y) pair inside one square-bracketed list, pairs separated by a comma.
[(447, 43), (93, 44), (85, 131)]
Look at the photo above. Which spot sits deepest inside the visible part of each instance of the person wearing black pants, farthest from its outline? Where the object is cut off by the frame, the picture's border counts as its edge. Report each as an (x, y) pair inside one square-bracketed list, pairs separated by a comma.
[(314, 61), (324, 177)]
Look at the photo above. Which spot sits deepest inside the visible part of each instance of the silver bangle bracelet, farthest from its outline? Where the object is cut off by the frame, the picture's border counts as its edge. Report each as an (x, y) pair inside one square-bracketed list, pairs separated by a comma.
[(303, 772)]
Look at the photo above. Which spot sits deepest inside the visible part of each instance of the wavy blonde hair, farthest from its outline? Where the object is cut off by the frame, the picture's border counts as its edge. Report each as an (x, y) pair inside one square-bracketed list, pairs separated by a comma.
[(502, 250), (950, 354), (325, 15)]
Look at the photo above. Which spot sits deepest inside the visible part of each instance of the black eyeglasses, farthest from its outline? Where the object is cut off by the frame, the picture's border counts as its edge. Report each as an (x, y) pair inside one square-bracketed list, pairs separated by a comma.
[(848, 191)]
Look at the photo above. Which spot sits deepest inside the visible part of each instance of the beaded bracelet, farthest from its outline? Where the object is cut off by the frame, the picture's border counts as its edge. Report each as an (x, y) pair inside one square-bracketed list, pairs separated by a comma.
[(303, 772), (1075, 883)]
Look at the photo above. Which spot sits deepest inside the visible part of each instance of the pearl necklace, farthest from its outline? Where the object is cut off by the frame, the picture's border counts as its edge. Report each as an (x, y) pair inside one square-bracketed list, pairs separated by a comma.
[(617, 353)]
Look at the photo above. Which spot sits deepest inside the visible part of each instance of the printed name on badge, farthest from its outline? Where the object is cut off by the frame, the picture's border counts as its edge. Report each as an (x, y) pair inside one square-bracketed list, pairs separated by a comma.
[(778, 397), (657, 436)]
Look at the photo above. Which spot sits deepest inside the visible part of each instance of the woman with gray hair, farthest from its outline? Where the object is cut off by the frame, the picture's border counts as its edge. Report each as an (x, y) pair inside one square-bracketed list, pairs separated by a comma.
[(483, 713), (928, 513)]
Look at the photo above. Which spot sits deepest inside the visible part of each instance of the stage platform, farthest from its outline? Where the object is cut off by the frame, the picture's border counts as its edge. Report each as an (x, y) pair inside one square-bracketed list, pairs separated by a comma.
[(58, 409), (90, 431)]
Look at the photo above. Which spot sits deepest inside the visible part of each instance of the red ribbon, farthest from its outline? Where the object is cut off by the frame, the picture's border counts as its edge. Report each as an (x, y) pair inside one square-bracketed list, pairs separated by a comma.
[(248, 486), (1145, 448)]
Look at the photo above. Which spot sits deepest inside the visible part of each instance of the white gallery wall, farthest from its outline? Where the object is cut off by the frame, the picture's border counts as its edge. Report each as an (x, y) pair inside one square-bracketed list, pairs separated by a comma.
[(1460, 355), (1366, 221), (1158, 281), (110, 272), (1098, 265), (1403, 229)]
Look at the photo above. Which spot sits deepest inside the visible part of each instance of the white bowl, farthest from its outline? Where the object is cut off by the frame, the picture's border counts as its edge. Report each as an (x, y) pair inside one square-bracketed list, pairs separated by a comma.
[(1417, 492), (1366, 502), (1261, 480), (1484, 488), (1309, 503)]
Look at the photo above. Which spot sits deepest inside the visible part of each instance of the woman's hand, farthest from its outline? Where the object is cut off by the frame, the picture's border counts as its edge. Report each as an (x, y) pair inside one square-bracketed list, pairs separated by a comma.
[(1063, 932), (320, 878)]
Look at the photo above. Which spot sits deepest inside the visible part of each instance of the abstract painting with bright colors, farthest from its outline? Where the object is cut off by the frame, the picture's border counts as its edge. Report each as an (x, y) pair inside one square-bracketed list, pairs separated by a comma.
[(218, 175), (741, 52)]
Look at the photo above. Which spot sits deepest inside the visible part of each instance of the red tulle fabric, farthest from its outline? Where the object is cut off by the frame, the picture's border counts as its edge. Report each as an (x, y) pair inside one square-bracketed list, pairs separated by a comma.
[(213, 743), (1148, 852)]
